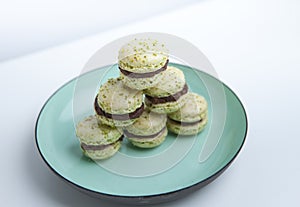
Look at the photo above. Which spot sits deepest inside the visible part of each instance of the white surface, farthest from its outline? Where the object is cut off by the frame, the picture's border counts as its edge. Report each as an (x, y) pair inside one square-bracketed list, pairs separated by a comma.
[(27, 26), (254, 46)]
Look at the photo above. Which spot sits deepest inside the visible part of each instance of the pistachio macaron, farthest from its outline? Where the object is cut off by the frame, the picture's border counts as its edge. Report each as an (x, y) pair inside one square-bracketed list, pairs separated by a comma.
[(148, 131), (98, 141), (191, 118), (141, 62), (168, 96), (118, 105)]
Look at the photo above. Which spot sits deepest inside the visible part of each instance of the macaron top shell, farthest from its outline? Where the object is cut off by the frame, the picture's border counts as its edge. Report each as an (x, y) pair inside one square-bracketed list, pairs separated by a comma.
[(193, 109), (148, 123), (172, 81), (116, 98), (92, 133), (143, 55)]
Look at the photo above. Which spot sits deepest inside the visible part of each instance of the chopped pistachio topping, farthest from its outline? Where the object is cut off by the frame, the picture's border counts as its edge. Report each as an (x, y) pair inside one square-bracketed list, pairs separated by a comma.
[(142, 55)]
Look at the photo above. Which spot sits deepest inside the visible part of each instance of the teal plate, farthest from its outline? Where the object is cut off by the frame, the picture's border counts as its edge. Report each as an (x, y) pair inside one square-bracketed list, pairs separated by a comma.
[(177, 167)]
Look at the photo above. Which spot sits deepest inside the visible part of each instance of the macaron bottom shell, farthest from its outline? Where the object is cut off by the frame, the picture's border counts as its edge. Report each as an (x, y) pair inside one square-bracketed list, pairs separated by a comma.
[(193, 129), (115, 123), (141, 83), (149, 142), (168, 107), (108, 152)]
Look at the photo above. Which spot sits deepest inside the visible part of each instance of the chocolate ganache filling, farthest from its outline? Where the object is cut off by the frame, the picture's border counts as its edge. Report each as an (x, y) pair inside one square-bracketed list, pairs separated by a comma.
[(133, 115), (143, 75), (184, 123), (171, 98), (99, 147), (130, 135)]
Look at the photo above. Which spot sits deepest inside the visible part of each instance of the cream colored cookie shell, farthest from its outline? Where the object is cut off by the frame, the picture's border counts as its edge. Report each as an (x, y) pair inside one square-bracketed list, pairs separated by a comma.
[(103, 154), (91, 133), (141, 83), (114, 123), (149, 142), (148, 123), (172, 81), (193, 109), (116, 98), (168, 107), (142, 55), (186, 130)]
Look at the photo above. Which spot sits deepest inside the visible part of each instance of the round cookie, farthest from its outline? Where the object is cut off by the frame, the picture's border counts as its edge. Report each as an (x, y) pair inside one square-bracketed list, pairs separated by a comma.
[(98, 141), (141, 62), (169, 95), (191, 118), (118, 105), (148, 131)]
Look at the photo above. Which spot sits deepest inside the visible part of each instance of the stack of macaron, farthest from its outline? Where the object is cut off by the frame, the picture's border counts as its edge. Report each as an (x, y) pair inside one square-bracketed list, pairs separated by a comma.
[(143, 103)]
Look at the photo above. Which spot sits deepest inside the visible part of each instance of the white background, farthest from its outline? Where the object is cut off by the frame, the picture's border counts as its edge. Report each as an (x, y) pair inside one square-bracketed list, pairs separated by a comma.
[(30, 25), (254, 47)]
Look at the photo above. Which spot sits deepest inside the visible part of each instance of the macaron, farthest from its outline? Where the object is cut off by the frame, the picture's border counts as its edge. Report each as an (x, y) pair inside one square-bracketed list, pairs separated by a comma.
[(118, 105), (148, 131), (191, 118), (98, 141), (168, 96), (141, 62)]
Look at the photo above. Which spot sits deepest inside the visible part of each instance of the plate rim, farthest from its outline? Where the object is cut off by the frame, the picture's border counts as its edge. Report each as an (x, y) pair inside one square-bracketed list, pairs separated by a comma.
[(141, 199)]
